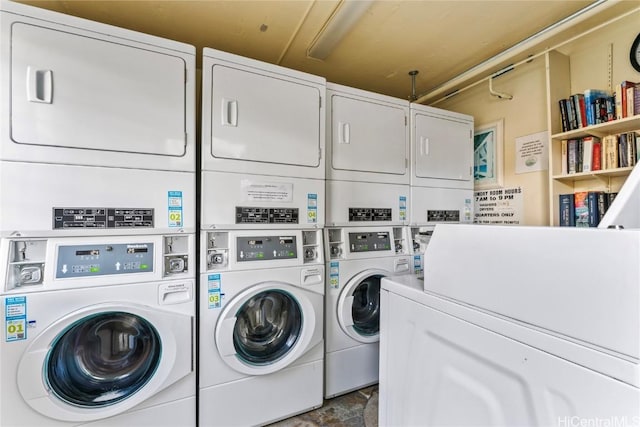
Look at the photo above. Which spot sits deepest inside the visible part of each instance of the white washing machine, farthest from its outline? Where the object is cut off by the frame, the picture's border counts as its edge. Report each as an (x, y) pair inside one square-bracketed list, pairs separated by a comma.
[(261, 344), (263, 143), (525, 334), (98, 331), (86, 148), (367, 158), (357, 259)]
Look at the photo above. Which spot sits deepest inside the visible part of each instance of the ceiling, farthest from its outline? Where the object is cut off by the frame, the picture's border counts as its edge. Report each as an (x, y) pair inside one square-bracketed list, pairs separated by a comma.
[(440, 39)]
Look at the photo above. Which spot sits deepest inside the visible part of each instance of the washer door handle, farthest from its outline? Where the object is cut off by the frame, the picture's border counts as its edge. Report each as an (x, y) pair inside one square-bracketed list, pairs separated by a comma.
[(347, 314)]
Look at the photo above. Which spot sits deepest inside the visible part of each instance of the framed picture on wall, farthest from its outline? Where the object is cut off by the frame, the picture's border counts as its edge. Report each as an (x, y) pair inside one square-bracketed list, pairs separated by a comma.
[(487, 150)]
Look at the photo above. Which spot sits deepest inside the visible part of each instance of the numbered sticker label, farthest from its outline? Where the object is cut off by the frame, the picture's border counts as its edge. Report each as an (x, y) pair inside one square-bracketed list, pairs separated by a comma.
[(15, 319), (312, 208), (214, 291), (174, 206)]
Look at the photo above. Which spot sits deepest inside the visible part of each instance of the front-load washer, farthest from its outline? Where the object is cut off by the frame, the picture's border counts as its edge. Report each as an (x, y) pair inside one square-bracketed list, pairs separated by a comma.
[(357, 259), (97, 331), (86, 148), (261, 344), (367, 158), (263, 142)]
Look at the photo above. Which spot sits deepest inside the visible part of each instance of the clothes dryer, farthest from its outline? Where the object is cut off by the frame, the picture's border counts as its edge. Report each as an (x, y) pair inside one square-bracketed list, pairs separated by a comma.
[(86, 148), (358, 258), (441, 173), (263, 160), (261, 345), (367, 158), (97, 331)]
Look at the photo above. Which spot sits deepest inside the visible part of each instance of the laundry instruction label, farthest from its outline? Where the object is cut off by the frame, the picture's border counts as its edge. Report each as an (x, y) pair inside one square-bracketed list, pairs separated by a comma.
[(266, 191), (417, 264), (15, 318), (403, 208), (174, 206), (214, 289), (312, 208), (334, 274)]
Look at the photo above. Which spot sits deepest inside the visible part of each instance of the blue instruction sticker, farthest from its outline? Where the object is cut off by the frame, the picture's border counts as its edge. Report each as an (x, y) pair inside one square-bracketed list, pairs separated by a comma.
[(312, 208), (417, 264), (334, 274), (403, 208), (174, 206), (214, 289), (15, 318)]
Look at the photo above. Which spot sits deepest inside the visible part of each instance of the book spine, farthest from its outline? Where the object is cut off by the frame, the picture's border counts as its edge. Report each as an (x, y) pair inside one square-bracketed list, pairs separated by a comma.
[(563, 157), (581, 209), (567, 213), (572, 155), (563, 115), (603, 203), (587, 154), (622, 151), (592, 205), (596, 160)]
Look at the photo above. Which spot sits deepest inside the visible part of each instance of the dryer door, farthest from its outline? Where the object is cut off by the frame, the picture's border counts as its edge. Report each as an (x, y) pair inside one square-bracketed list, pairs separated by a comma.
[(71, 90), (102, 361), (267, 327), (359, 306)]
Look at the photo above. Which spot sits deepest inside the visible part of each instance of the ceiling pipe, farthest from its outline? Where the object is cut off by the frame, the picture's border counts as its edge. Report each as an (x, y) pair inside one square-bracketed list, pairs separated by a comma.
[(528, 43), (342, 20)]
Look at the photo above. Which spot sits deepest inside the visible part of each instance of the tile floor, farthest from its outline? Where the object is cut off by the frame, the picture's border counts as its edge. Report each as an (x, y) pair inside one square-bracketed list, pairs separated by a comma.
[(355, 409)]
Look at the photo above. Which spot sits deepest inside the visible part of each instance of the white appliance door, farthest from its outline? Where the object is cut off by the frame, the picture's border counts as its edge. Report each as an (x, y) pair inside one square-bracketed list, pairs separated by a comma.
[(74, 91), (359, 306), (101, 361), (260, 118), (267, 327), (442, 148), (367, 136)]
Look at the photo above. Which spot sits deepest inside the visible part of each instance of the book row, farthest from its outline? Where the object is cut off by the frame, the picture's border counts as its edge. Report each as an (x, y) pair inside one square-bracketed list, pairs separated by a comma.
[(593, 154), (584, 208), (596, 106)]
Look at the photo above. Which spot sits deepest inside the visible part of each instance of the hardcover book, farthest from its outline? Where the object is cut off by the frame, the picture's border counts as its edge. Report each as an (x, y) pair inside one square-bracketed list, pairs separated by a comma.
[(581, 204), (567, 216)]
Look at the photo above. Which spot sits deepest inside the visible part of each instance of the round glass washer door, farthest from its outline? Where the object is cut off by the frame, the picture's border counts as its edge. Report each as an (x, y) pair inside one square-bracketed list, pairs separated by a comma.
[(102, 359), (267, 327), (359, 306)]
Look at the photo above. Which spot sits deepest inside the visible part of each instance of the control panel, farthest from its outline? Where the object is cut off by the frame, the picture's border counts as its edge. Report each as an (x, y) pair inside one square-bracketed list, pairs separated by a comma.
[(261, 248), (370, 214), (257, 215), (369, 241), (443, 216), (65, 218), (104, 259), (230, 250)]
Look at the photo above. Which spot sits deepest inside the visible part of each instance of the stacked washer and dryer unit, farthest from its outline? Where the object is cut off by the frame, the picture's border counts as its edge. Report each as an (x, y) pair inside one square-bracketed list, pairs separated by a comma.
[(366, 234), (261, 346), (97, 227), (441, 174)]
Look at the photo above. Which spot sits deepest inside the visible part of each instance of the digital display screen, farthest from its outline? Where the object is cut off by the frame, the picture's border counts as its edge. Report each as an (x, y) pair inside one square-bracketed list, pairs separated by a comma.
[(89, 252)]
